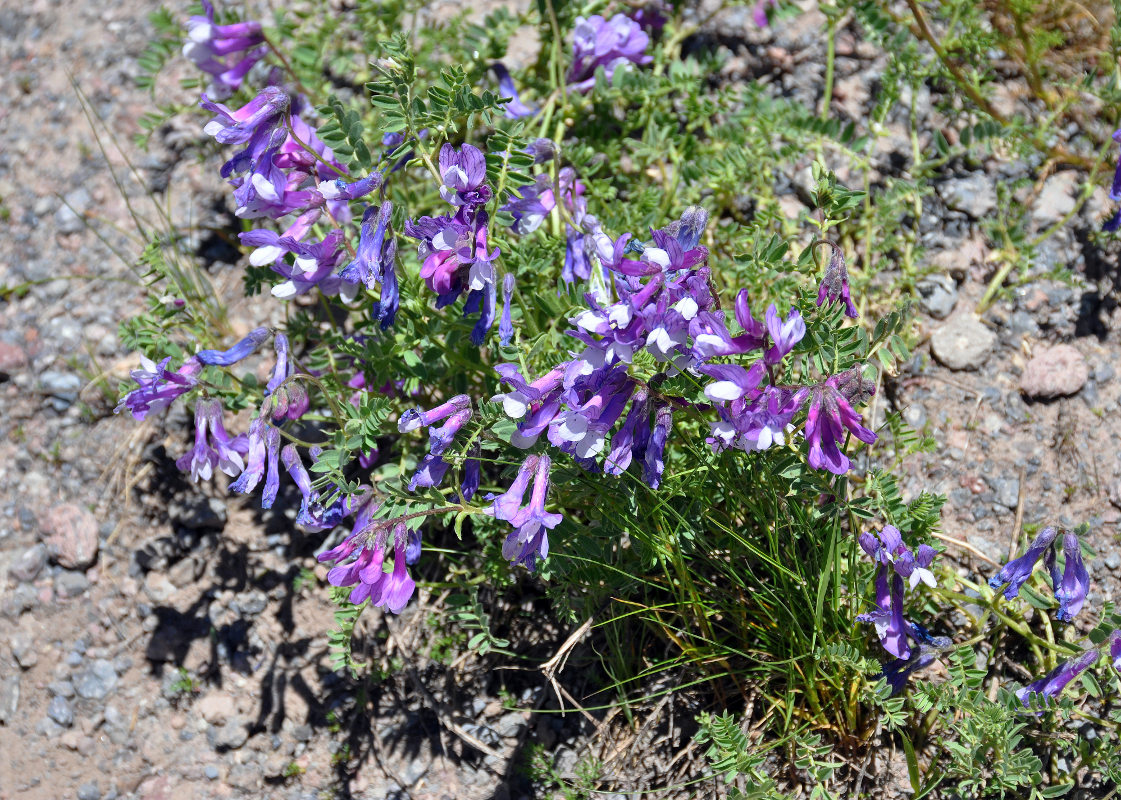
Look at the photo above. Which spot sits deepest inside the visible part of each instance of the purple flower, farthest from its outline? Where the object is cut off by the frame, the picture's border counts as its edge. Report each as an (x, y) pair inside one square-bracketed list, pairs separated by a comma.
[(1053, 683), (1017, 571), (157, 386), (271, 246), (888, 616), (414, 418), (835, 282), (733, 382), (241, 350), (430, 473), (227, 52), (224, 453), (314, 267), (256, 124), (263, 453), (1115, 649), (397, 587), (783, 334), (760, 423), (505, 324), (338, 189), (529, 540), (1072, 587), (439, 439), (515, 108), (413, 546), (374, 263), (597, 42), (630, 440), (711, 337), (366, 574), (898, 671), (759, 13), (463, 172), (654, 464), (472, 475), (831, 415)]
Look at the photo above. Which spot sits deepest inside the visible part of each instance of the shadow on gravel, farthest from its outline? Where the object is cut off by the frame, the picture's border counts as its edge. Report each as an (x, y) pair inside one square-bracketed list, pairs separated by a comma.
[(1096, 305)]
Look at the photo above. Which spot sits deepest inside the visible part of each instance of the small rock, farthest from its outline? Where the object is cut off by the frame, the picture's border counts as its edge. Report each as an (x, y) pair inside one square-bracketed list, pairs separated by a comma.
[(211, 772), (938, 294), (89, 791), (973, 195), (250, 603), (62, 386), (509, 724), (68, 217), (9, 698), (12, 358), (214, 708), (230, 736), (1056, 199), (23, 598), (1056, 371), (23, 649), (70, 583), (1007, 492), (61, 688), (27, 567), (1113, 561), (96, 681), (60, 711), (962, 343), (302, 732), (70, 533)]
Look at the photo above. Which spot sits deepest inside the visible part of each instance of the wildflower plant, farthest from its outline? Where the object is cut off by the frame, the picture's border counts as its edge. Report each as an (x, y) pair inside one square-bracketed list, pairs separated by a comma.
[(526, 322)]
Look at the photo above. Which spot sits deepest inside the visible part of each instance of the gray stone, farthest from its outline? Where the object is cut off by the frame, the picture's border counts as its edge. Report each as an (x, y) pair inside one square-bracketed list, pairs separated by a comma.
[(62, 386), (973, 195), (938, 294), (509, 724), (23, 598), (211, 772), (9, 698), (1113, 561), (1056, 371), (1021, 323), (230, 736), (23, 649), (250, 603), (1056, 199), (70, 533), (963, 342), (414, 770), (71, 583), (302, 732), (1007, 491), (96, 681), (89, 791), (48, 727), (61, 688), (60, 711), (68, 218), (30, 562)]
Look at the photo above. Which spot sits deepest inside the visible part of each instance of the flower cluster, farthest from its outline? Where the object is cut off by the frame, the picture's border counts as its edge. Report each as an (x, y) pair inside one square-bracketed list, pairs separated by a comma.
[(530, 539), (1070, 587), (285, 170), (433, 467), (535, 202), (597, 42), (367, 544), (225, 52), (453, 248), (897, 565)]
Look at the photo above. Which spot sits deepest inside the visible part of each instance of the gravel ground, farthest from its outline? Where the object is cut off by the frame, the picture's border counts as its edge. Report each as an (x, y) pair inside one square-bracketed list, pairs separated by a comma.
[(161, 641)]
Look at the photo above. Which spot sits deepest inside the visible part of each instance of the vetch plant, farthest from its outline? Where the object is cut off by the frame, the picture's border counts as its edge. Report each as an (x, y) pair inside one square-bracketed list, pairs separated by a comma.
[(538, 345)]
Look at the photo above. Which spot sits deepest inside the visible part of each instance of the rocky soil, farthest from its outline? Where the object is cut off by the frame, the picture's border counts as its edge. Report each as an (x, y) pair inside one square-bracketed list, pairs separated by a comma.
[(159, 640)]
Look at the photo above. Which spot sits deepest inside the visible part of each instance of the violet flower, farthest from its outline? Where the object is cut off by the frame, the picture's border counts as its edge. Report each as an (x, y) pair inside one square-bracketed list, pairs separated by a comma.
[(530, 540), (226, 52), (506, 324), (1017, 571), (831, 415), (158, 387), (835, 282), (415, 418), (610, 44), (374, 263), (784, 334), (263, 454), (887, 617), (1070, 589), (256, 124), (1053, 683), (898, 671), (463, 172), (217, 450), (240, 351), (515, 108), (1115, 649)]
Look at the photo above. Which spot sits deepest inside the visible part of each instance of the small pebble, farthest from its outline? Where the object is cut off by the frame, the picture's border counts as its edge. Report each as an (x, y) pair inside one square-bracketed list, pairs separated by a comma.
[(211, 772)]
